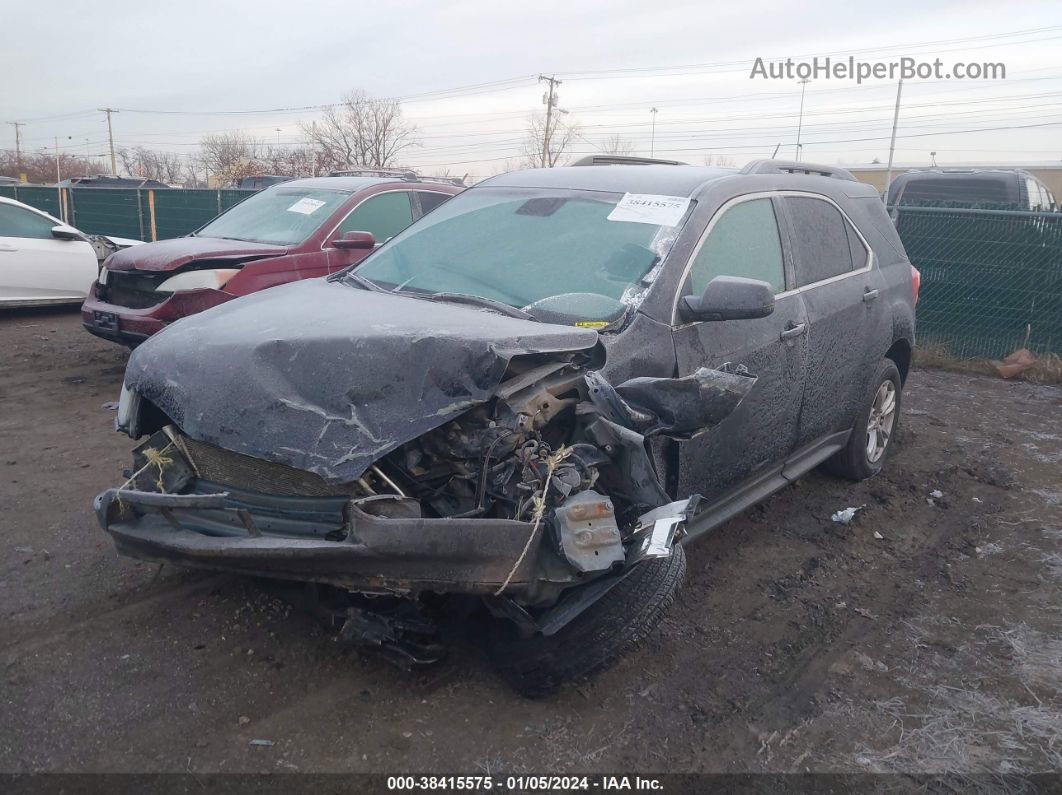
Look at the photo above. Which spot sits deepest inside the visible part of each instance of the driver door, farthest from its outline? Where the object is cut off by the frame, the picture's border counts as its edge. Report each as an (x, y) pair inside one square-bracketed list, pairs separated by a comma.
[(744, 239)]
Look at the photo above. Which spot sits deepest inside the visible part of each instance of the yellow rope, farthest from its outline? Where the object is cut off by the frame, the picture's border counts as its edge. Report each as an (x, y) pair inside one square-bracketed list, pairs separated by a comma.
[(154, 458)]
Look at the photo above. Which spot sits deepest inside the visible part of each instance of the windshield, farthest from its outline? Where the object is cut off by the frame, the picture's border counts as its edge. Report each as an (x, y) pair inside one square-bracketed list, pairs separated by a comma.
[(282, 216), (565, 252)]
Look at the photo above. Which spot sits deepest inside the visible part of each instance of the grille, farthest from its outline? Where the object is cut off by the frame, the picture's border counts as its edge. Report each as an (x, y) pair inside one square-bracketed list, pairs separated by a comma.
[(134, 289), (253, 474)]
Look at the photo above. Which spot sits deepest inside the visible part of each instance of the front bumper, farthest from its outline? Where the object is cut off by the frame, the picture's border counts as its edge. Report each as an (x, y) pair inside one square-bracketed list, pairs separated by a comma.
[(377, 554), (130, 326)]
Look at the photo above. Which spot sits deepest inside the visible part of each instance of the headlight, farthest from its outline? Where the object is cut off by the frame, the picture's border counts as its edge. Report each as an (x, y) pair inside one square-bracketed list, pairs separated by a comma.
[(197, 280), (128, 409), (103, 276)]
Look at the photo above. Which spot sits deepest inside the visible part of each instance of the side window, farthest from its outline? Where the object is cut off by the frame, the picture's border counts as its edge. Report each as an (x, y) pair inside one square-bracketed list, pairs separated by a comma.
[(1033, 190), (743, 242), (384, 215), (429, 201), (826, 246), (17, 222)]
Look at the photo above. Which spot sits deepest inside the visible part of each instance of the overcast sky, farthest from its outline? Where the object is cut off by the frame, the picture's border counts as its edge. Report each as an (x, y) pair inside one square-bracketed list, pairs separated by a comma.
[(194, 61)]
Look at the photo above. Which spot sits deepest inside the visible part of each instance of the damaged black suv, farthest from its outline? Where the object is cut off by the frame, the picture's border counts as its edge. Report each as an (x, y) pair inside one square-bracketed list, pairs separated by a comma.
[(528, 400)]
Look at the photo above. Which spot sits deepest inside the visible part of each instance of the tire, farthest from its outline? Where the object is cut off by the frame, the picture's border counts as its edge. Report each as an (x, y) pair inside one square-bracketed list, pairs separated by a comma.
[(855, 461), (597, 638)]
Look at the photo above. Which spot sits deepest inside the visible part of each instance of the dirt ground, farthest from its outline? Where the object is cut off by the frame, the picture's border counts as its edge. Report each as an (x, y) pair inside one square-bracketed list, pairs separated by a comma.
[(923, 636)]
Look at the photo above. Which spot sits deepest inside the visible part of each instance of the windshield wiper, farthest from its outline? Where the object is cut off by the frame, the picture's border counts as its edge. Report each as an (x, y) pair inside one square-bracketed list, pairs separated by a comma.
[(479, 300), (362, 282)]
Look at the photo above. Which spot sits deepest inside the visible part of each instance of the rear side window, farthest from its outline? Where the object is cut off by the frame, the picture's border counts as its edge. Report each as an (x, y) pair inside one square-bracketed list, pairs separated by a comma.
[(743, 242), (16, 222), (429, 201), (826, 245), (384, 215)]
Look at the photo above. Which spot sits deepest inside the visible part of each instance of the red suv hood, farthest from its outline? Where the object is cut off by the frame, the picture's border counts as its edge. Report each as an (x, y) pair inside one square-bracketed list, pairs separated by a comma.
[(168, 255)]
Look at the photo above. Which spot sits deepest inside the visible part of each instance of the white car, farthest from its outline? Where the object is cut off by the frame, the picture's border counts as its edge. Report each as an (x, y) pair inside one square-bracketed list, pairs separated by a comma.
[(43, 260)]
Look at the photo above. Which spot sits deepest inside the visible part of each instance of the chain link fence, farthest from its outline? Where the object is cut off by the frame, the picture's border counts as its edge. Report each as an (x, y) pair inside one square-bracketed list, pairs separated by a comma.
[(991, 279)]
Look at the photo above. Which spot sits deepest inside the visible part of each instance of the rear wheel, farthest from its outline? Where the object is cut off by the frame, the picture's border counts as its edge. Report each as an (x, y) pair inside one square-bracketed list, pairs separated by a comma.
[(874, 428), (595, 639)]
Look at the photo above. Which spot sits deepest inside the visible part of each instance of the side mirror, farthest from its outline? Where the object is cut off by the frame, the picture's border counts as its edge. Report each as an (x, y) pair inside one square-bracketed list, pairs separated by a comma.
[(730, 298), (64, 232), (355, 240)]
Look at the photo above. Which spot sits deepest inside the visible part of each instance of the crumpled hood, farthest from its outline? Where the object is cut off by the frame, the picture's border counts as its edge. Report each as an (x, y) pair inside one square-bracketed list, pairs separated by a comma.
[(168, 255), (326, 377)]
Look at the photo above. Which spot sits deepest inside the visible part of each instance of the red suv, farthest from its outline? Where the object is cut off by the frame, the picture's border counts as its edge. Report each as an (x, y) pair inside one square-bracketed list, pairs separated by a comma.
[(295, 230)]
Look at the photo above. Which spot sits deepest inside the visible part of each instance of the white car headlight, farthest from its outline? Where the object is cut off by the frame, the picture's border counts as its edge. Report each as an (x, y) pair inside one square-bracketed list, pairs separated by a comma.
[(197, 280), (128, 409), (103, 276)]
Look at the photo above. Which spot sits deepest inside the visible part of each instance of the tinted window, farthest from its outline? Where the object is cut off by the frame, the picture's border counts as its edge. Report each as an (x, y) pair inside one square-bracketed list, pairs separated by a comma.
[(743, 242), (822, 240), (384, 215), (961, 189), (16, 222), (429, 201)]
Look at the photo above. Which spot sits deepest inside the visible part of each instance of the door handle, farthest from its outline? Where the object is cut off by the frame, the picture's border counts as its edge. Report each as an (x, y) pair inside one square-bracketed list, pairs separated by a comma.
[(869, 295), (793, 331), (6, 247)]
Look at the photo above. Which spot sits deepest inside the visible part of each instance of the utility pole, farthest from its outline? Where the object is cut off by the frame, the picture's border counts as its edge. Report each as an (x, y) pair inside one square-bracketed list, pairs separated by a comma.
[(58, 179), (18, 146), (800, 121), (652, 140), (892, 142), (110, 135), (550, 99)]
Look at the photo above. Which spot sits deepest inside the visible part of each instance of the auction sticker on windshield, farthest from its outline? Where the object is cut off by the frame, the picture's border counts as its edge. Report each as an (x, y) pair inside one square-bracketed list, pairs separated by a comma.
[(305, 206), (648, 208)]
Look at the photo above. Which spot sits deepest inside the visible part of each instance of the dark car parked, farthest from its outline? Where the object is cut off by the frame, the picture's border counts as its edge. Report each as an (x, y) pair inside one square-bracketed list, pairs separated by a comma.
[(526, 400), (296, 230), (971, 186)]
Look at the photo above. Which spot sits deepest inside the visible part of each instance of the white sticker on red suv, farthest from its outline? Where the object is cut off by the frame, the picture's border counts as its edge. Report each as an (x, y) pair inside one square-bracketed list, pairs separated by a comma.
[(305, 206), (649, 208)]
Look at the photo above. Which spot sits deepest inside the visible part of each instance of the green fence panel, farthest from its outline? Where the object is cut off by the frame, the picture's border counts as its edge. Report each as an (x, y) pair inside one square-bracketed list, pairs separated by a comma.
[(227, 198), (178, 212), (991, 279), (43, 198), (7, 191), (106, 211)]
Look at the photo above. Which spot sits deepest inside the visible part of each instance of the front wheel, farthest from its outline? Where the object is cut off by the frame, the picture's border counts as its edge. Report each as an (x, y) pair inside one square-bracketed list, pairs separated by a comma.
[(595, 639), (874, 428)]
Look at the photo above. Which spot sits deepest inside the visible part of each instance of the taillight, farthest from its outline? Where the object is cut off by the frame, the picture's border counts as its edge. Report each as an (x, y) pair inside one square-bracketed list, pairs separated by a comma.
[(916, 280)]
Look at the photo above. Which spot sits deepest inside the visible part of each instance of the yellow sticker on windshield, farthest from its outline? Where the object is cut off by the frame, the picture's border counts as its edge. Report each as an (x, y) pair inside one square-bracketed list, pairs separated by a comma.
[(592, 323)]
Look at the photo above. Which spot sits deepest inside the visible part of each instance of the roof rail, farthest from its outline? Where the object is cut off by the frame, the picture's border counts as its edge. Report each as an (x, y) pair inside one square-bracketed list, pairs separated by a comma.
[(796, 167), (369, 171), (624, 160)]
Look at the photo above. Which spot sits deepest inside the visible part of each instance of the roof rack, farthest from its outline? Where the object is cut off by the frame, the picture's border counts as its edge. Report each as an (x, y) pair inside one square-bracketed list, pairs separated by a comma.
[(405, 174), (624, 160), (368, 171), (795, 167)]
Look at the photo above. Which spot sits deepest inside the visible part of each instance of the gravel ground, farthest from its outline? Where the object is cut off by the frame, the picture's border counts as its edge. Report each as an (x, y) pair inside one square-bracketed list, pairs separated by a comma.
[(921, 637)]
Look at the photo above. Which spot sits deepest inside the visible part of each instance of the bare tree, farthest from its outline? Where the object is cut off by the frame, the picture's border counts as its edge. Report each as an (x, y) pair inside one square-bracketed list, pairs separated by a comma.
[(555, 142), (168, 167), (618, 145), (230, 156), (361, 131), (39, 166)]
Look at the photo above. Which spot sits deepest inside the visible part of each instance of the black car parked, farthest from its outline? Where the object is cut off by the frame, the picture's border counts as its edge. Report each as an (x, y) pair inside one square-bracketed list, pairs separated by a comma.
[(526, 400)]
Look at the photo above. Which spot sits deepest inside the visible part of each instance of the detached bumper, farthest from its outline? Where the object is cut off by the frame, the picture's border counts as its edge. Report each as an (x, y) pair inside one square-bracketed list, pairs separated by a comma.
[(472, 556)]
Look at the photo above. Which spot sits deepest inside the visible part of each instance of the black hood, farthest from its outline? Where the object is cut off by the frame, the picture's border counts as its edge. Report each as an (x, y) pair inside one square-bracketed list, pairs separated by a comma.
[(326, 377)]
